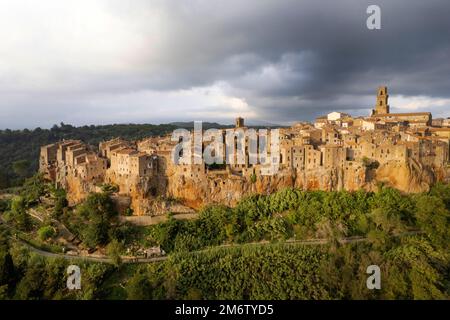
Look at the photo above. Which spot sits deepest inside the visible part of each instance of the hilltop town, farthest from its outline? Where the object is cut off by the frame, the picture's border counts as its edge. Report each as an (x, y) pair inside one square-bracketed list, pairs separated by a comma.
[(407, 151)]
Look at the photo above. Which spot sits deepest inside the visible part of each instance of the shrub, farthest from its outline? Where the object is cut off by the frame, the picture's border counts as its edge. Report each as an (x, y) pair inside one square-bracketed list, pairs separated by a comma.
[(109, 188), (370, 164), (46, 232)]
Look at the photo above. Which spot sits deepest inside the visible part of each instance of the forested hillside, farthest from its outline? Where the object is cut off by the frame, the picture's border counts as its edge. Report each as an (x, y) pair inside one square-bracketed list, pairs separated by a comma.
[(261, 249)]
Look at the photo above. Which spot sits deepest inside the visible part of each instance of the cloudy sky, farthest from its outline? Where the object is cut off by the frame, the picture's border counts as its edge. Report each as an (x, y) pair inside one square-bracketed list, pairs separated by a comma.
[(117, 61)]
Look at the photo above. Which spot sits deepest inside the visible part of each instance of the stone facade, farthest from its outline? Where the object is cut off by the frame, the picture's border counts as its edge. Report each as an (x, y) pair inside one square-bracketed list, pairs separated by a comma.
[(71, 165), (338, 152), (382, 106)]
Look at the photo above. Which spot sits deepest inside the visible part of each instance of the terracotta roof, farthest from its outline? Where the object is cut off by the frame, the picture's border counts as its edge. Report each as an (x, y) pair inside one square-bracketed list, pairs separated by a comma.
[(118, 145), (417, 121), (330, 146), (92, 157), (139, 154), (126, 151), (429, 138), (329, 128), (402, 114), (439, 129), (69, 142), (77, 147)]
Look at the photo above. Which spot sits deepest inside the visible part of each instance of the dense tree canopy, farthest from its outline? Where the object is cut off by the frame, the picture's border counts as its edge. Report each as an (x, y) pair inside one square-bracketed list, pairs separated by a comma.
[(94, 220), (220, 255)]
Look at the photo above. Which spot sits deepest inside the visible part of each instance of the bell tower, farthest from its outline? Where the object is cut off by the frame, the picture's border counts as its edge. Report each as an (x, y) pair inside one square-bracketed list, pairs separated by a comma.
[(382, 106), (239, 122)]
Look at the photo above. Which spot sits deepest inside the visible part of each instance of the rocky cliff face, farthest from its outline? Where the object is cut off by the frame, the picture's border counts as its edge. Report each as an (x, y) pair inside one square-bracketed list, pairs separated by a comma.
[(333, 179), (225, 190), (408, 177), (78, 190), (230, 189), (150, 196)]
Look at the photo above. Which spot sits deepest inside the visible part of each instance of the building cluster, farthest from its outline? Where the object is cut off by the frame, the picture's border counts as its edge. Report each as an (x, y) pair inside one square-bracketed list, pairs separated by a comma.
[(71, 158), (332, 145), (114, 161), (383, 137), (336, 142)]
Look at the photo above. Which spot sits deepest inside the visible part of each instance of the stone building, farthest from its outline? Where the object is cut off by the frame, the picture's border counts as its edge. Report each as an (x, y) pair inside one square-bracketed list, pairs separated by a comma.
[(413, 119), (71, 165), (382, 106), (106, 147), (239, 122), (337, 152), (91, 168)]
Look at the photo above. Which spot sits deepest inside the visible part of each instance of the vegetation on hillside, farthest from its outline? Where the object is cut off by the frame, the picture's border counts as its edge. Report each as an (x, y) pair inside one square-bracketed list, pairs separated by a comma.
[(406, 235), (300, 215)]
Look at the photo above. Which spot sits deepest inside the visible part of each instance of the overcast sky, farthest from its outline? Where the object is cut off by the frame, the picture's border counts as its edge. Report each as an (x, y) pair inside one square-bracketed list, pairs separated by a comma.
[(97, 62)]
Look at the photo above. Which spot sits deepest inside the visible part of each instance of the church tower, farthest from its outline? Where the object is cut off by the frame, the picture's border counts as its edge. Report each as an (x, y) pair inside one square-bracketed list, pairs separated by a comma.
[(239, 122), (382, 106)]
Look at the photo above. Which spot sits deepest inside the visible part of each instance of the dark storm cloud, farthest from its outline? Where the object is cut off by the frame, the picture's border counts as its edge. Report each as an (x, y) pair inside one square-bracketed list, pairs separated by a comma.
[(286, 60)]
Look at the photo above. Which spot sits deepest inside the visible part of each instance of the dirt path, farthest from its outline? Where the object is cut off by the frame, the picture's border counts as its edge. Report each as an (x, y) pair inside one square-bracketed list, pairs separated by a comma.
[(64, 236)]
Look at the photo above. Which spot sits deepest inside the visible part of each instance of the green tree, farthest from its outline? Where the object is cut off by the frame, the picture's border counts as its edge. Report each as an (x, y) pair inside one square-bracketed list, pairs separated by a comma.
[(434, 219), (21, 168), (4, 180), (60, 202), (19, 213), (6, 266), (33, 189), (55, 280), (138, 287), (32, 284), (4, 205), (114, 250), (416, 271), (98, 219)]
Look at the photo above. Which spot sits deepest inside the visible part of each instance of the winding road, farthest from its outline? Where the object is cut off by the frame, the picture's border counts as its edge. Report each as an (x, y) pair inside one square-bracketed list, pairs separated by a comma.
[(105, 259), (102, 259)]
